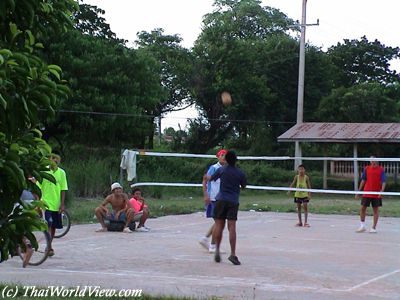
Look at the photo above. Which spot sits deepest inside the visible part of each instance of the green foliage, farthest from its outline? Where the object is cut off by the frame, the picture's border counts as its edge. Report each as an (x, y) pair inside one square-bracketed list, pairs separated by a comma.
[(174, 63), (90, 175), (88, 20), (30, 89), (28, 85), (171, 169), (368, 102), (359, 61), (246, 49), (33, 19), (243, 19), (115, 88)]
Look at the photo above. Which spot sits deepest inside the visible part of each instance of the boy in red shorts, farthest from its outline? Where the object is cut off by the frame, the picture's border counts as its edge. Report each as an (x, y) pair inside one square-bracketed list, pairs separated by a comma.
[(372, 180)]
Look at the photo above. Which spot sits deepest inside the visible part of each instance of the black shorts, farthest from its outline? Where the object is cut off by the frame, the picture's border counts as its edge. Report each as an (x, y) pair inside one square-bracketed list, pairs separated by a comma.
[(54, 219), (301, 200), (210, 209), (375, 202), (226, 210)]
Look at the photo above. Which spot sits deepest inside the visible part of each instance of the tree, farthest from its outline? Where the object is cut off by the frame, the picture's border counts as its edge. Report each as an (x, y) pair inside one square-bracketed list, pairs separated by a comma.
[(246, 49), (233, 53), (367, 102), (27, 86), (115, 89), (88, 20), (366, 89), (174, 63), (359, 61)]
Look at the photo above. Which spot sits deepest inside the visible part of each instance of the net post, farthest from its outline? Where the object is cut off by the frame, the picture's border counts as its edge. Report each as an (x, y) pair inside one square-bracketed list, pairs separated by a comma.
[(355, 167), (325, 170), (121, 171)]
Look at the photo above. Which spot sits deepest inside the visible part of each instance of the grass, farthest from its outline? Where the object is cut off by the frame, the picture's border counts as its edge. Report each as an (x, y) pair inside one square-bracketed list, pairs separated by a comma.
[(82, 210), (319, 204)]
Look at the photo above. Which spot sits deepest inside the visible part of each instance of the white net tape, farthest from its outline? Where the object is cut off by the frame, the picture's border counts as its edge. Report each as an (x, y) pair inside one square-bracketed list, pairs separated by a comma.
[(188, 155), (270, 188)]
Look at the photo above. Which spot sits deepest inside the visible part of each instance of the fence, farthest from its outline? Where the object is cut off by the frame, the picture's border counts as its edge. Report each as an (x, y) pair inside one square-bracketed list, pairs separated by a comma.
[(346, 168)]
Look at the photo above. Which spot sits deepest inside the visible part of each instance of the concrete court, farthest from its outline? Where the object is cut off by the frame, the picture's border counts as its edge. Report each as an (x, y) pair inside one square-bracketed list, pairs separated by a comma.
[(279, 261)]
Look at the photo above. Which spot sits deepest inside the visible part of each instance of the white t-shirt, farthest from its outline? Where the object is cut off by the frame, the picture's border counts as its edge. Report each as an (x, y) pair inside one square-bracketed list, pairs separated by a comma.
[(213, 186)]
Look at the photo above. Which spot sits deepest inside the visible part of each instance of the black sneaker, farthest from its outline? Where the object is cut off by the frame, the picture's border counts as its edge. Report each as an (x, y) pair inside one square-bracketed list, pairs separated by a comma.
[(234, 259)]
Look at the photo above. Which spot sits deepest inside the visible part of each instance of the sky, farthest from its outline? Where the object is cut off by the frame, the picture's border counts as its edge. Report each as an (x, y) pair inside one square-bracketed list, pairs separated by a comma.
[(338, 20)]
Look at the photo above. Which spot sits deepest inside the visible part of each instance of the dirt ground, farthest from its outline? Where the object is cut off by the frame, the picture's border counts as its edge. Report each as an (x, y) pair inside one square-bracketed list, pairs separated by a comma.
[(279, 261)]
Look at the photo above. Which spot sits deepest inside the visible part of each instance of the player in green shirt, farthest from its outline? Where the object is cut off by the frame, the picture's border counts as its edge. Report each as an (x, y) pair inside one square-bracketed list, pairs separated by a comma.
[(53, 196)]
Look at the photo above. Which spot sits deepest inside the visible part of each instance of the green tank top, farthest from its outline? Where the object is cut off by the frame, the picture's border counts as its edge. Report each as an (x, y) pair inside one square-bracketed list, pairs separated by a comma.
[(301, 184)]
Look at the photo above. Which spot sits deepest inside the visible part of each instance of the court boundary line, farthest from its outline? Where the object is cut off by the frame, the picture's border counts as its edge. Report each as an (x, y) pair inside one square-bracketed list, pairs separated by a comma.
[(377, 278), (205, 280), (255, 283)]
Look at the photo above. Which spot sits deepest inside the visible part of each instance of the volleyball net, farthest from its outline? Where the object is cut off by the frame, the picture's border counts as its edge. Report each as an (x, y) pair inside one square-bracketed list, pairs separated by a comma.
[(391, 166)]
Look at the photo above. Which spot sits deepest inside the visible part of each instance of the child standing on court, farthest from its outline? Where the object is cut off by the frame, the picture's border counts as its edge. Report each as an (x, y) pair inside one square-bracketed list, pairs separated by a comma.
[(227, 204), (210, 191), (302, 181)]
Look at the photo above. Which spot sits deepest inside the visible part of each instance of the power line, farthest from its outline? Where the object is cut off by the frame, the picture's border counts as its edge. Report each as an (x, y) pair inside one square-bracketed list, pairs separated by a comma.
[(104, 113), (129, 115)]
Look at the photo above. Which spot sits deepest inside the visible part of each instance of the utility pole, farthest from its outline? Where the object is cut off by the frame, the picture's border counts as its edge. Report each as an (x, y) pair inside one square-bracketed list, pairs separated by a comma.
[(159, 130), (300, 86), (300, 89)]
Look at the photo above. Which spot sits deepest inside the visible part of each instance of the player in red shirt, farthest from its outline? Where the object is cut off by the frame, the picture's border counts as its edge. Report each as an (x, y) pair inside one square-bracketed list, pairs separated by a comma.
[(373, 179)]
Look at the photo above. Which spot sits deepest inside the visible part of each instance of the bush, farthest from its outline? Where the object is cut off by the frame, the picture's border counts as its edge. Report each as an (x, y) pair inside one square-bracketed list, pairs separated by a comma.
[(89, 172)]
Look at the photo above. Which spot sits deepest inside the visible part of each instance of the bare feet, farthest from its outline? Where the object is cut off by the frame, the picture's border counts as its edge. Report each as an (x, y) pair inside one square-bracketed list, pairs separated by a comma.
[(102, 229), (299, 225), (51, 253), (27, 256), (217, 256)]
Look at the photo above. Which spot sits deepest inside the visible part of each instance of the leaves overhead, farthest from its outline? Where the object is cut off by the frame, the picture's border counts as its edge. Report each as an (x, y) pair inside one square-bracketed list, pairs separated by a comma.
[(359, 61), (174, 68), (241, 43), (30, 90)]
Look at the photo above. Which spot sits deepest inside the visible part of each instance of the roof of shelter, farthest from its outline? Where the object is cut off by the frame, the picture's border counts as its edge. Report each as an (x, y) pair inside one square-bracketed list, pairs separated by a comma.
[(343, 133)]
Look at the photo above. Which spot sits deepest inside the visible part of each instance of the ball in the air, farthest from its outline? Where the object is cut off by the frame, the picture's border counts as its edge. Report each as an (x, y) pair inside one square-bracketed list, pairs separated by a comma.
[(226, 98)]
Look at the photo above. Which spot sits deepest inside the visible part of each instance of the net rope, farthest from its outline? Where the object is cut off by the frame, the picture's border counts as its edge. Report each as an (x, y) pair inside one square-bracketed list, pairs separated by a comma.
[(271, 158)]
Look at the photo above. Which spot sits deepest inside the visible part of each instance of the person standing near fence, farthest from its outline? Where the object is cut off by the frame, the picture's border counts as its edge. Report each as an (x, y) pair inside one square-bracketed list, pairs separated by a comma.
[(302, 181), (373, 179)]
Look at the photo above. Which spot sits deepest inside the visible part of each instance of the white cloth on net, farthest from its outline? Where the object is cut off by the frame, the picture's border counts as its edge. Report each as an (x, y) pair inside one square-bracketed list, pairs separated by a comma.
[(128, 163)]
